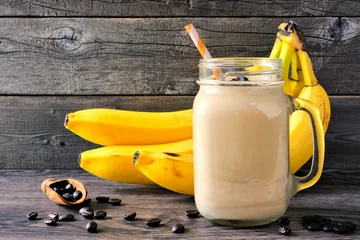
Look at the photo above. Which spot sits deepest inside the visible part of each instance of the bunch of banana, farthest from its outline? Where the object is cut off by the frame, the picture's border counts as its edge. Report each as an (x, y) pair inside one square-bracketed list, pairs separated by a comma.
[(162, 141), (302, 84)]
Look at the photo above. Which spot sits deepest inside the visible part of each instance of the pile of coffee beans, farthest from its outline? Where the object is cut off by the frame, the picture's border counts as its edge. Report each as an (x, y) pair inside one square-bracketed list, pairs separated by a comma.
[(319, 223), (66, 190), (284, 226)]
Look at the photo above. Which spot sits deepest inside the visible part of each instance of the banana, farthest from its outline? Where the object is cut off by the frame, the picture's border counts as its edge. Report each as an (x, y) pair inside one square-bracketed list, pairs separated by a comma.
[(110, 127), (301, 143), (171, 171), (114, 163)]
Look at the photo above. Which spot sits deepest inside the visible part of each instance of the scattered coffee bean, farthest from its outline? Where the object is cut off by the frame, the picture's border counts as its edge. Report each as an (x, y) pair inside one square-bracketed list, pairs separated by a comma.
[(100, 214), (102, 199), (68, 197), (285, 230), (69, 188), (50, 222), (178, 228), (284, 221), (342, 229), (85, 209), (88, 215), (32, 215), (328, 228), (86, 202), (66, 217), (91, 227), (154, 222), (314, 226), (54, 216), (130, 216), (317, 218), (115, 201), (192, 213), (325, 221), (351, 226), (307, 219), (77, 195)]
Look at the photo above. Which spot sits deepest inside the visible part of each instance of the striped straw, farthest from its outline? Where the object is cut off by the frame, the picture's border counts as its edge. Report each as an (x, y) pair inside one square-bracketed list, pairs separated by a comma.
[(202, 49)]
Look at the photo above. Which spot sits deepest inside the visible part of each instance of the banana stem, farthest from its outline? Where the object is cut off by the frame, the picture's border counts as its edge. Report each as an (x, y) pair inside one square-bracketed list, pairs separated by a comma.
[(287, 51), (307, 69), (294, 68), (275, 51)]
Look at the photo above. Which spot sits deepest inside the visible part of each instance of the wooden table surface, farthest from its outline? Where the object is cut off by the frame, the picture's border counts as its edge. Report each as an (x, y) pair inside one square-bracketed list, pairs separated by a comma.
[(336, 196)]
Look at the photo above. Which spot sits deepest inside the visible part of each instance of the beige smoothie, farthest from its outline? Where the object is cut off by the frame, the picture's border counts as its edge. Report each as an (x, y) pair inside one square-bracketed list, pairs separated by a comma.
[(241, 153)]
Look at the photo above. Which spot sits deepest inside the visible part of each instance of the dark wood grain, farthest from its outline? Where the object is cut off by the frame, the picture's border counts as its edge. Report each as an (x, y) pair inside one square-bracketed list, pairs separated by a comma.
[(165, 8), (334, 196), (32, 135), (133, 56)]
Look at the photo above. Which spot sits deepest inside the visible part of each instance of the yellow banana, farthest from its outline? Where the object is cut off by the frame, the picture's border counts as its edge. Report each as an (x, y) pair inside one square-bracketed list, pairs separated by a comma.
[(171, 171), (114, 163), (301, 143), (275, 51), (109, 127)]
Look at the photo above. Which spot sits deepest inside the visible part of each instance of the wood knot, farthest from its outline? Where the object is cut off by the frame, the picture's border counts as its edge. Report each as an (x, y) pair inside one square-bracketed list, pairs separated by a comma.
[(66, 38)]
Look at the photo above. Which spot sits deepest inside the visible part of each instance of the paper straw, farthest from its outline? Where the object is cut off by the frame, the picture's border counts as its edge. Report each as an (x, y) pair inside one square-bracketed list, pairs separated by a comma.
[(202, 49)]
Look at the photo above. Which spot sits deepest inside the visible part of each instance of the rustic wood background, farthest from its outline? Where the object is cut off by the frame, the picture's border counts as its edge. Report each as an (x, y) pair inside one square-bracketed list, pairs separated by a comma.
[(62, 56)]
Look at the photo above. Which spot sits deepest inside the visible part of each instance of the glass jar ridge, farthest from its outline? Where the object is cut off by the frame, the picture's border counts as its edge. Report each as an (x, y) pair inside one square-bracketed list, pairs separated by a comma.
[(240, 71)]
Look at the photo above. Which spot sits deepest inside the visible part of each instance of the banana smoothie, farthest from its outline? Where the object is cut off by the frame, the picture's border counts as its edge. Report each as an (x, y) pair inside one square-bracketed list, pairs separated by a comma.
[(241, 154)]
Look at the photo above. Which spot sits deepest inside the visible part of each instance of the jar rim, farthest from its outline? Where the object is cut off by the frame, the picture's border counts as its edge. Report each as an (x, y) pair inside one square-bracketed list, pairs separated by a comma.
[(242, 61)]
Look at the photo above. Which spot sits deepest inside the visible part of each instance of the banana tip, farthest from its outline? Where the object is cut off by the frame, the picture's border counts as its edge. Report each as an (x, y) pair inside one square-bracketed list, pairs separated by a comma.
[(136, 157), (79, 159), (66, 120)]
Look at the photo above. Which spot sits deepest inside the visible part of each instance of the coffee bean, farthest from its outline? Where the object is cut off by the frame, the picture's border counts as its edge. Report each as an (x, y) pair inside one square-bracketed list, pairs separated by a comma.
[(86, 202), (50, 222), (68, 197), (317, 218), (77, 195), (54, 216), (342, 229), (32, 215), (59, 191), (325, 221), (307, 219), (192, 213), (115, 201), (285, 230), (130, 216), (178, 228), (91, 227), (102, 199), (66, 217), (88, 215), (240, 78), (154, 222), (328, 228), (100, 214), (284, 221), (69, 188), (314, 226), (85, 209), (351, 226)]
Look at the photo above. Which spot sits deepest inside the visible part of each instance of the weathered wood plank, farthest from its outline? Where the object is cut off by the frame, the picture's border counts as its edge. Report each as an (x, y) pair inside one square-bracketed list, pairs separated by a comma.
[(179, 8), (32, 135), (99, 56), (334, 196)]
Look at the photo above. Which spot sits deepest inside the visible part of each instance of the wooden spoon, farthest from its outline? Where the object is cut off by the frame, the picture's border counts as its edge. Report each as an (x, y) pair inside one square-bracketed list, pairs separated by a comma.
[(48, 184)]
